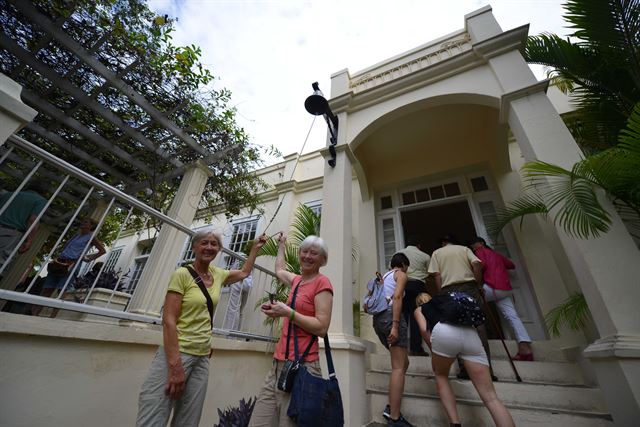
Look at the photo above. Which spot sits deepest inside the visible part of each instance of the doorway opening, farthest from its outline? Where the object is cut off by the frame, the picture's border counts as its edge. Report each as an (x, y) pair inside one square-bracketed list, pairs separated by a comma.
[(430, 223)]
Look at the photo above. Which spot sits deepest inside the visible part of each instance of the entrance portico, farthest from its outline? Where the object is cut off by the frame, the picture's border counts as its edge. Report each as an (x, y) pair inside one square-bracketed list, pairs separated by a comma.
[(441, 114)]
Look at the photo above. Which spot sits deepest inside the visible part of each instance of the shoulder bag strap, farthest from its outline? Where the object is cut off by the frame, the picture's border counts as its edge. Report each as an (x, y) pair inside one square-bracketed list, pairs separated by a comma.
[(293, 304), (327, 352), (203, 288)]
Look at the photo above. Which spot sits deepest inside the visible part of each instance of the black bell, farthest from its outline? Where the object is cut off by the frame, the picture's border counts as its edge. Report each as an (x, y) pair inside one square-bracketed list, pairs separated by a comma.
[(316, 104)]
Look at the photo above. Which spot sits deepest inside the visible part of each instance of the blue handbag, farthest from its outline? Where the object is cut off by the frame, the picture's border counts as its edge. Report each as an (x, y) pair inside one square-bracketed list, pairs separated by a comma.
[(316, 402)]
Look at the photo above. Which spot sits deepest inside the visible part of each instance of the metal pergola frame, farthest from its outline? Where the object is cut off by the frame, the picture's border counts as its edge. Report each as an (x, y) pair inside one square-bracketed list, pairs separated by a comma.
[(58, 126)]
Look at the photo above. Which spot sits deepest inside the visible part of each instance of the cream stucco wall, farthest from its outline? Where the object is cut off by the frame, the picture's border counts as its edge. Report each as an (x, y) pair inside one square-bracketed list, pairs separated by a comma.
[(60, 373)]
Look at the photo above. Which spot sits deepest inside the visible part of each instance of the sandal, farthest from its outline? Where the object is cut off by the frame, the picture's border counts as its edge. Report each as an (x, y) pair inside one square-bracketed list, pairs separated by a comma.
[(523, 357)]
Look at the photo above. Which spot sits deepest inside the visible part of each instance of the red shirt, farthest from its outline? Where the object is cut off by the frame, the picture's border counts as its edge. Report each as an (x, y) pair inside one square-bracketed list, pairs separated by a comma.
[(305, 305), (495, 268)]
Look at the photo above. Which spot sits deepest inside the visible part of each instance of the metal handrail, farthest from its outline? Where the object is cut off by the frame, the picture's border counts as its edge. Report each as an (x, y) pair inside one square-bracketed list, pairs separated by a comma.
[(97, 184)]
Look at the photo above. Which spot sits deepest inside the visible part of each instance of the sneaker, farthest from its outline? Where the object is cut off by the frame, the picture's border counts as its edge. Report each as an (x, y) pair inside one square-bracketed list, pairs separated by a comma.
[(387, 413), (400, 422)]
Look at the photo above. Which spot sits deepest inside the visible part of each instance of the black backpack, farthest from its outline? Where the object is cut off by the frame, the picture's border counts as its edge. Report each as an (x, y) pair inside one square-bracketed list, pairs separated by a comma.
[(458, 308)]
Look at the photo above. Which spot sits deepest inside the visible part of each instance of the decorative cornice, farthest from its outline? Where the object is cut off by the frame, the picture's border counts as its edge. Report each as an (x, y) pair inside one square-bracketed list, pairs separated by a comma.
[(508, 98), (614, 346), (431, 56), (513, 39)]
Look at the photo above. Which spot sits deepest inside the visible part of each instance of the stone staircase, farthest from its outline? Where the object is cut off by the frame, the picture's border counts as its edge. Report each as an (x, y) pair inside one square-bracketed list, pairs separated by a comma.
[(553, 392)]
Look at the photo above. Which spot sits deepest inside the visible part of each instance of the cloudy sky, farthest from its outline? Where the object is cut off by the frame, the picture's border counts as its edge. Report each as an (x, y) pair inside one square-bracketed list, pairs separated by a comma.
[(268, 52)]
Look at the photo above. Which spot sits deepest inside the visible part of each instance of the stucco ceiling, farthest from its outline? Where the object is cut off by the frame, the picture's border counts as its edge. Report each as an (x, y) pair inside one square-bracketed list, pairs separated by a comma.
[(428, 142)]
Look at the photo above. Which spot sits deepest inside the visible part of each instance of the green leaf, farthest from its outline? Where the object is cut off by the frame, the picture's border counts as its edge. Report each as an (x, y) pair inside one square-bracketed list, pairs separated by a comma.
[(572, 313)]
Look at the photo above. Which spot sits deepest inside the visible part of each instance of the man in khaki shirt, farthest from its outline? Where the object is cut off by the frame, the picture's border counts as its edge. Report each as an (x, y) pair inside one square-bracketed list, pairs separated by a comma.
[(457, 268), (416, 275)]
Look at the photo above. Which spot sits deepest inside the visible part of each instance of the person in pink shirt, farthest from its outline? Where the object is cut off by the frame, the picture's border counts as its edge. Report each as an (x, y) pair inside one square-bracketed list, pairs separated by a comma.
[(310, 317), (497, 287)]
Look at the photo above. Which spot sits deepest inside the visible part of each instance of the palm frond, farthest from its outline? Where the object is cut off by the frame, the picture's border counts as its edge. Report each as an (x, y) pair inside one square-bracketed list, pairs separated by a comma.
[(527, 204), (579, 213), (572, 313), (570, 196), (305, 223)]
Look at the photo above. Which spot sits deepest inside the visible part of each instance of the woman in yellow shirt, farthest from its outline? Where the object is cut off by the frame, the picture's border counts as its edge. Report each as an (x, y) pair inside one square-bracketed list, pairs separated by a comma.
[(179, 372)]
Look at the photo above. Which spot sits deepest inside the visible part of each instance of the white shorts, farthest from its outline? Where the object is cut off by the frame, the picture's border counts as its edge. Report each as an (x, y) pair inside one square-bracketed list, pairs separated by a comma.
[(451, 341)]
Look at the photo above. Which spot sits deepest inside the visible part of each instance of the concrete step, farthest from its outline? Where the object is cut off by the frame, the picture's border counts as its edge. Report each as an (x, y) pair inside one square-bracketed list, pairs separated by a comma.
[(530, 372), (536, 396), (428, 411), (543, 351)]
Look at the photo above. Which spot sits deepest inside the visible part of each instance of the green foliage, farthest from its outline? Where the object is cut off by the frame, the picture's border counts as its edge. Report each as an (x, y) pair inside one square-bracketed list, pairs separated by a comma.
[(599, 65), (135, 44), (572, 313), (570, 197), (305, 223)]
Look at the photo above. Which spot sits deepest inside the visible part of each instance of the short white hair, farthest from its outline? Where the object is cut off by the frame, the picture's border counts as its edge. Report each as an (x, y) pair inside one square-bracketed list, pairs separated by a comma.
[(318, 243), (204, 232)]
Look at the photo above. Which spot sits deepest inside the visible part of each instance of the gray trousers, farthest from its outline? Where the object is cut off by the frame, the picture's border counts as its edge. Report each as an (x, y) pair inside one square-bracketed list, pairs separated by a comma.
[(154, 406), (272, 404)]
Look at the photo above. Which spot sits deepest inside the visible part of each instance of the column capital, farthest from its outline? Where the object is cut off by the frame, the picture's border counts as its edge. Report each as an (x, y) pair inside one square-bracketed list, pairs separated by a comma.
[(508, 98), (11, 103), (339, 149), (481, 24), (199, 164)]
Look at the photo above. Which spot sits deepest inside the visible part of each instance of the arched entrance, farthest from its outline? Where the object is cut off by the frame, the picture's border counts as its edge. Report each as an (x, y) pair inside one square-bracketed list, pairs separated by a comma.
[(431, 172)]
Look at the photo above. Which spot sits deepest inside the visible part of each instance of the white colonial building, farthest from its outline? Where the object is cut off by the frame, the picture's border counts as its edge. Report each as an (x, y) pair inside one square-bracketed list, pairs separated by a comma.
[(429, 142)]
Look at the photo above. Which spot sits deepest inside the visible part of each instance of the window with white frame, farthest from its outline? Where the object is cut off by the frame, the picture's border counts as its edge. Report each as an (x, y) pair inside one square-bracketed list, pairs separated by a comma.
[(388, 240), (315, 206), (243, 232), (138, 266), (112, 260)]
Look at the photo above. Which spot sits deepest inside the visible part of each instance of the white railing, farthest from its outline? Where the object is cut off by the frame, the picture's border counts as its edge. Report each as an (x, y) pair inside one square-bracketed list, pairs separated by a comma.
[(395, 69), (92, 290)]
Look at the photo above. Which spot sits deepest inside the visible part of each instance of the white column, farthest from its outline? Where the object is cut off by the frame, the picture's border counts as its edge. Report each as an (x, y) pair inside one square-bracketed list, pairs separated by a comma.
[(336, 229), (150, 292), (14, 114), (608, 267)]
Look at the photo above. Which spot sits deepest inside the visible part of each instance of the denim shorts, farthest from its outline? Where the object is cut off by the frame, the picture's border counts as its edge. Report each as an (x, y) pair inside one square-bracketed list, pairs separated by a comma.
[(382, 323)]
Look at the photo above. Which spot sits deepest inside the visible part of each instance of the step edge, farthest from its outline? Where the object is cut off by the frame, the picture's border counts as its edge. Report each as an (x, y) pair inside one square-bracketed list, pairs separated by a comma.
[(578, 412), (507, 381)]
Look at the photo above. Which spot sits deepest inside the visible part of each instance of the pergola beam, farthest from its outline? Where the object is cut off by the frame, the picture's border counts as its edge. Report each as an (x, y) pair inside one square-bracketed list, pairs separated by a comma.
[(74, 124), (77, 49), (212, 158), (68, 146), (25, 56)]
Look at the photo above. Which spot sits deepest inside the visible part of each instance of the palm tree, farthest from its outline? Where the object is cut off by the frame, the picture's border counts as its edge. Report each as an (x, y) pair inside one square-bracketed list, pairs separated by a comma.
[(598, 64), (572, 195)]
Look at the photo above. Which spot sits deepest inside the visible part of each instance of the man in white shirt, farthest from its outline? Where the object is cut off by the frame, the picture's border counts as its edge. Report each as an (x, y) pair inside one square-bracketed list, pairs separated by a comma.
[(416, 275)]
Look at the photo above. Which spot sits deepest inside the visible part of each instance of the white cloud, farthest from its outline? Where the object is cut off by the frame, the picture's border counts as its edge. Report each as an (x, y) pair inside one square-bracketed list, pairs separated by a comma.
[(269, 52)]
